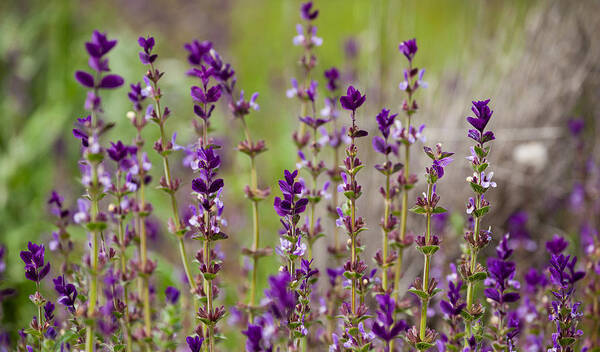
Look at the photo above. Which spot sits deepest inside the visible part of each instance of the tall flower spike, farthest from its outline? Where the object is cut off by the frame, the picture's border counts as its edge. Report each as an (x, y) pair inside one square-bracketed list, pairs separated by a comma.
[(96, 180), (354, 268), (425, 287), (405, 135), (478, 206), (382, 145), (503, 290), (240, 109)]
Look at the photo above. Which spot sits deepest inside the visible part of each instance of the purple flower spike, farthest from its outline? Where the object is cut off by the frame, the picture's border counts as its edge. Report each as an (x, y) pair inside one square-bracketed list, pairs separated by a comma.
[(482, 115), (254, 343), (408, 48), (307, 13), (557, 245), (35, 270), (283, 300), (194, 343), (146, 56), (197, 50), (332, 75), (353, 99), (99, 45), (385, 121), (172, 295), (384, 327)]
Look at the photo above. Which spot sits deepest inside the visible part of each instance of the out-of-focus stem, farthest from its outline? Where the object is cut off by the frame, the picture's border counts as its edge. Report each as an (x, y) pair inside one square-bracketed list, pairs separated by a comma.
[(93, 292), (353, 230), (426, 266), (385, 245), (174, 208), (403, 215), (123, 260), (255, 217), (470, 286)]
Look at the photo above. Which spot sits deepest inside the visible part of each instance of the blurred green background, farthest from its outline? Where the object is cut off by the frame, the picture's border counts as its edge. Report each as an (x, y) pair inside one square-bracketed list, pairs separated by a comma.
[(520, 53)]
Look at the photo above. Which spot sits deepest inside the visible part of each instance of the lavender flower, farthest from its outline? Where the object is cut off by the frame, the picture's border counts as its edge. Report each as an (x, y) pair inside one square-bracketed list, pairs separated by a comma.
[(172, 294), (478, 206), (408, 48), (97, 48), (385, 327), (406, 135), (502, 291), (565, 312), (67, 293), (35, 269), (194, 343), (425, 288), (354, 268), (389, 222)]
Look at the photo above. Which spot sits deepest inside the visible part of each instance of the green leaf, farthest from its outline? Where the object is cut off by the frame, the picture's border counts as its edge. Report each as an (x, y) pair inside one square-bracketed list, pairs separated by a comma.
[(477, 188), (417, 209), (566, 341), (428, 250), (481, 211), (96, 226), (481, 153), (477, 277), (481, 167), (423, 346), (422, 294), (439, 210)]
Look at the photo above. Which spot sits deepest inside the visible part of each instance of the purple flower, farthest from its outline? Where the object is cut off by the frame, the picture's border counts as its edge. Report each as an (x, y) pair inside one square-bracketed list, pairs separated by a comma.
[(313, 122), (289, 206), (146, 56), (99, 45), (282, 299), (483, 114), (307, 13), (254, 334), (35, 270), (384, 326), (385, 121), (171, 295), (49, 311), (194, 343), (97, 48), (455, 304), (557, 245), (408, 48), (576, 126), (353, 99), (332, 75), (197, 50), (67, 292)]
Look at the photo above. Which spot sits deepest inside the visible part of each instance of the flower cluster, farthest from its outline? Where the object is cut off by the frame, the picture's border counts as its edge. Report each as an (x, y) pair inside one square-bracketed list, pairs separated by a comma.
[(565, 312), (389, 191), (471, 271), (502, 290), (353, 313), (428, 244), (406, 135)]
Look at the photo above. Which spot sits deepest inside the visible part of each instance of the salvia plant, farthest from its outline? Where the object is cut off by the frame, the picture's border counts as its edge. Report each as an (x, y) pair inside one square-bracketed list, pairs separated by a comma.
[(108, 299)]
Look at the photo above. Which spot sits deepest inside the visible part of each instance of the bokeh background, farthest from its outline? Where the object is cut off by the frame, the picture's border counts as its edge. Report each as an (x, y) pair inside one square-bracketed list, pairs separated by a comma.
[(539, 61)]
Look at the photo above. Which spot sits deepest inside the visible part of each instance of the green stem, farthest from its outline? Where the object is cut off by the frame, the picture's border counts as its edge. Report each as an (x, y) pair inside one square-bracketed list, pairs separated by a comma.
[(473, 263), (123, 258), (255, 223), (388, 203), (174, 208), (426, 266), (403, 218)]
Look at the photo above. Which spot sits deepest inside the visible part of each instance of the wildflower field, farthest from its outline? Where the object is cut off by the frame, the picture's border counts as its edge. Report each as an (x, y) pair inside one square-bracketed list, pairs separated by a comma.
[(290, 175)]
